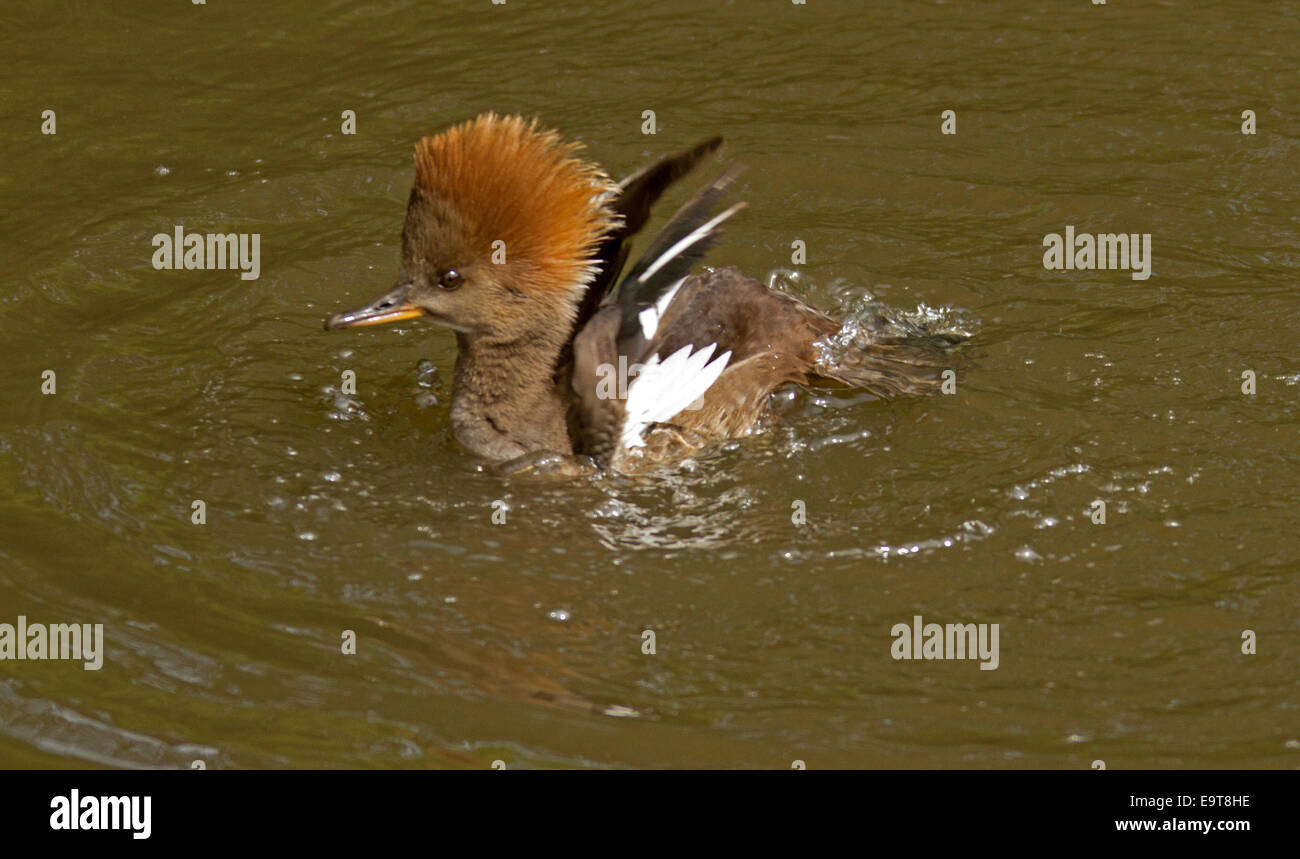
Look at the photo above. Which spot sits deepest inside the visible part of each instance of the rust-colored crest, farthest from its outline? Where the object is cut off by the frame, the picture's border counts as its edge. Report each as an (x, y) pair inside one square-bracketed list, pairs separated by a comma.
[(508, 180)]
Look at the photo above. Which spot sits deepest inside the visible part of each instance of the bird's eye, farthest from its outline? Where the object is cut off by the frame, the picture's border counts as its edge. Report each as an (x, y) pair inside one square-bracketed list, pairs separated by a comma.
[(450, 279)]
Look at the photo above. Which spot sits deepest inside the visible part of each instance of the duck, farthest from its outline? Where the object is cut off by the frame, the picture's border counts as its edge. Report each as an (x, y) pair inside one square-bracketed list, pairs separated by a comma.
[(519, 245)]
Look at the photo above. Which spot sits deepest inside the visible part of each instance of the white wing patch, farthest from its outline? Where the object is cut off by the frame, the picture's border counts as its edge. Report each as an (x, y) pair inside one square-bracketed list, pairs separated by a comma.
[(664, 388), (651, 315)]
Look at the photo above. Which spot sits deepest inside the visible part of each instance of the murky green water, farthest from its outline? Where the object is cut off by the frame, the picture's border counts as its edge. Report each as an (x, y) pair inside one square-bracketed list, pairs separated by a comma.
[(523, 641)]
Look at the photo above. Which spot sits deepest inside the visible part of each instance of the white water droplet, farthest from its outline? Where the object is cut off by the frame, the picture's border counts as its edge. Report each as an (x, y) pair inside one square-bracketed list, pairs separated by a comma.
[(1028, 555)]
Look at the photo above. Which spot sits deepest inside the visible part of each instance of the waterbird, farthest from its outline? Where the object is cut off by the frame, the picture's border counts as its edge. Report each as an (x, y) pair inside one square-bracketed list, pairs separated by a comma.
[(518, 244)]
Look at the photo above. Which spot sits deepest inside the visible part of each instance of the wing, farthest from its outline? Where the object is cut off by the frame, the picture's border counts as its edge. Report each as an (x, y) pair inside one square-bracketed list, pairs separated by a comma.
[(636, 197), (623, 379)]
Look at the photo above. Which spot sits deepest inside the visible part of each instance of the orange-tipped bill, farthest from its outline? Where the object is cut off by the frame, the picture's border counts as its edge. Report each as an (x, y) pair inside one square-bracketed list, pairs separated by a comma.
[(393, 306)]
